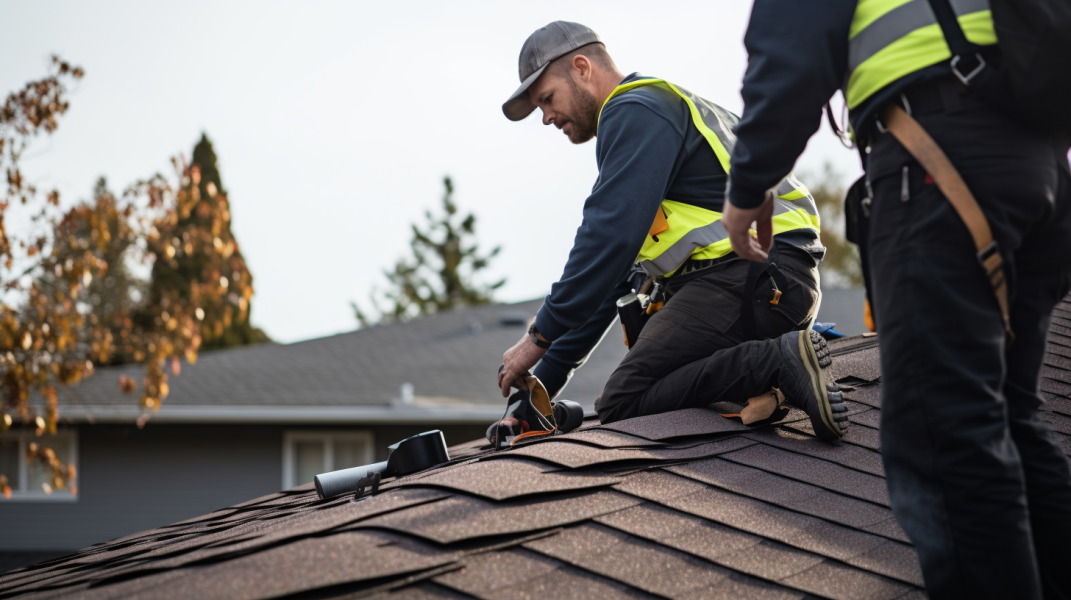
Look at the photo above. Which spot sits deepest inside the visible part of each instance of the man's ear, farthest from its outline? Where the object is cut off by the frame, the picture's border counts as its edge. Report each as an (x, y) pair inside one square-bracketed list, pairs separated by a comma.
[(582, 67)]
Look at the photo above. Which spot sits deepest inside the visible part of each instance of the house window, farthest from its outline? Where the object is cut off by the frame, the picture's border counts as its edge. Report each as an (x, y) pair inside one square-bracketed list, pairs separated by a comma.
[(32, 481), (309, 453)]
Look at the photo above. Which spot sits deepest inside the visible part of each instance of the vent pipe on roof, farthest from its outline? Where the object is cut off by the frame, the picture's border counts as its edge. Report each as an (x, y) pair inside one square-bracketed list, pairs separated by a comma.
[(513, 318), (405, 394)]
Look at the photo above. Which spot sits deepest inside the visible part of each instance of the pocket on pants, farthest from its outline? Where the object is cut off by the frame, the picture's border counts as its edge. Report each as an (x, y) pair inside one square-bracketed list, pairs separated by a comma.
[(796, 304)]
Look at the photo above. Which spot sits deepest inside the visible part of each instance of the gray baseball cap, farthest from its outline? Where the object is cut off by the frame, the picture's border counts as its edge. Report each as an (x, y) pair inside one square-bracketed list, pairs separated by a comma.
[(540, 49)]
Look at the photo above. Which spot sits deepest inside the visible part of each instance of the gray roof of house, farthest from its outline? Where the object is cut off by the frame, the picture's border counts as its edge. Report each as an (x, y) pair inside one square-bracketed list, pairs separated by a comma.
[(450, 359)]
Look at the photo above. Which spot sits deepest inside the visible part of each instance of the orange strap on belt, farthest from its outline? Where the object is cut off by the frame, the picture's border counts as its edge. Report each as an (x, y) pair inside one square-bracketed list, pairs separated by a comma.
[(919, 143)]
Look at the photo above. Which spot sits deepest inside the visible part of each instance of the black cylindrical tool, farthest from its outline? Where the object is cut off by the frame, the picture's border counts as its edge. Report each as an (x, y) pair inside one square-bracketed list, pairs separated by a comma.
[(633, 317), (410, 455)]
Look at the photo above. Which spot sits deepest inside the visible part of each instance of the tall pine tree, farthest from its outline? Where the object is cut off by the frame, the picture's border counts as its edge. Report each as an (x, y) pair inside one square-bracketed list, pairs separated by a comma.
[(442, 273), (208, 216)]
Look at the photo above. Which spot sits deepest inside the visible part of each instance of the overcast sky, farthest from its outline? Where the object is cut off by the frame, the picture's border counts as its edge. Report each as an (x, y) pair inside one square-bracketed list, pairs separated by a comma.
[(334, 123)]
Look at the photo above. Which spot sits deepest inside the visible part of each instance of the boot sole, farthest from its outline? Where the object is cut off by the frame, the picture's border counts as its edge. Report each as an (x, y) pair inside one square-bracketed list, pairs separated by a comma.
[(814, 370)]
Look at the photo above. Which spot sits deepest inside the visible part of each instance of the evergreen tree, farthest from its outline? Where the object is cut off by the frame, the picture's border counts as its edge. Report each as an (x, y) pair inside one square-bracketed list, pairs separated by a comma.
[(207, 215), (440, 274)]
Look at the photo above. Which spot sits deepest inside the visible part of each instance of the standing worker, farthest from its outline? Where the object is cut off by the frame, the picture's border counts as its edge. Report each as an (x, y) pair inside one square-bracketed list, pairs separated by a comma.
[(975, 477), (727, 331)]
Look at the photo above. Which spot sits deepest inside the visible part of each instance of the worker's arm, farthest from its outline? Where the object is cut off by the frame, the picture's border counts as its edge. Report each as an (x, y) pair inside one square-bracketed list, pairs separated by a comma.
[(571, 350), (637, 153), (797, 56)]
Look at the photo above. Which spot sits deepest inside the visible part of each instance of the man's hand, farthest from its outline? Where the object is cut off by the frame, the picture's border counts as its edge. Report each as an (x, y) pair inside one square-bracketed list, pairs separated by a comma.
[(737, 222), (518, 359)]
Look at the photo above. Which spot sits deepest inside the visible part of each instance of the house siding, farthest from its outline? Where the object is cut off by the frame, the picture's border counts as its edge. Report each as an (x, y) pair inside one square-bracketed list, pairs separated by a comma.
[(132, 479)]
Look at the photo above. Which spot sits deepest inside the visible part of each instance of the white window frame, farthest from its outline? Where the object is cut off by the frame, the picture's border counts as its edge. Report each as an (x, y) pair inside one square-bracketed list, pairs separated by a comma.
[(19, 493), (328, 437)]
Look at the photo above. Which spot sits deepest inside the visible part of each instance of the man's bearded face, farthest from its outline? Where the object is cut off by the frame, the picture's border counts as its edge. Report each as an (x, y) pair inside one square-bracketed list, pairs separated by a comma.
[(571, 108)]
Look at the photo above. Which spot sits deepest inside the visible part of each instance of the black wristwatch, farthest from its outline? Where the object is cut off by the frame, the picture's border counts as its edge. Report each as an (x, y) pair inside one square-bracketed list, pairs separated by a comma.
[(532, 331)]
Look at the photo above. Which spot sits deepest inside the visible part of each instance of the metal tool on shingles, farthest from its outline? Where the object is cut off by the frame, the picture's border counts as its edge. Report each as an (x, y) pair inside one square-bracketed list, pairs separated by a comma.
[(530, 412), (416, 453)]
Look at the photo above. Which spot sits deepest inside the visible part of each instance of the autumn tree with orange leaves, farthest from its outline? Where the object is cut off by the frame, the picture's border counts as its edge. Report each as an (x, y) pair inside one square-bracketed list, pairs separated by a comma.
[(70, 299)]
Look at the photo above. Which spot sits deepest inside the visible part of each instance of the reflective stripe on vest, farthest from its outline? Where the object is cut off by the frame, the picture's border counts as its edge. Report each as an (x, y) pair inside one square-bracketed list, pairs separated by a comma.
[(889, 39), (694, 232)]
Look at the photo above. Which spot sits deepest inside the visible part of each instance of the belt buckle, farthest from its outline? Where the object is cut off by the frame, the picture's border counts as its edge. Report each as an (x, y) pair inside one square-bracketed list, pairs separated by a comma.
[(966, 79)]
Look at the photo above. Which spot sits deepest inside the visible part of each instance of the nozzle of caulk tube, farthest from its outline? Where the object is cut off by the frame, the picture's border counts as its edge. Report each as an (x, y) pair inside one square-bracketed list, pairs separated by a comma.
[(335, 483)]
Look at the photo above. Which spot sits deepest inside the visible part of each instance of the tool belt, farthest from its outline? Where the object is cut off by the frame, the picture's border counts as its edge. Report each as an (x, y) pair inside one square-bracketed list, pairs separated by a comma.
[(635, 309)]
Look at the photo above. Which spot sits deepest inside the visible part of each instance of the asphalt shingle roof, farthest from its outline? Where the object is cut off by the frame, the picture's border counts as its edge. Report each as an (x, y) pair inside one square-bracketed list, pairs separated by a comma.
[(684, 505), (456, 353)]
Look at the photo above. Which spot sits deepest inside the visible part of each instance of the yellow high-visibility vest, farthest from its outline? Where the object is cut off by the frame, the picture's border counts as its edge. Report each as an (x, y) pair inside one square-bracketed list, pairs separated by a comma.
[(889, 39), (682, 231)]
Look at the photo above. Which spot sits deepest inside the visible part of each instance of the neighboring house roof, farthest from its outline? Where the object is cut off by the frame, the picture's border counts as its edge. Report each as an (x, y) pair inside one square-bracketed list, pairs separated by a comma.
[(450, 359), (682, 505)]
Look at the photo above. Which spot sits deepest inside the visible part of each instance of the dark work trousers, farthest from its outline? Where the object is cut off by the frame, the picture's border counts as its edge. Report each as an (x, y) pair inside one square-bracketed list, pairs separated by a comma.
[(695, 351), (975, 478)]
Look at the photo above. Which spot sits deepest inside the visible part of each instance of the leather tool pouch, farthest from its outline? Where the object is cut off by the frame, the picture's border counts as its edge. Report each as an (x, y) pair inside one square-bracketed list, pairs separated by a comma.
[(528, 413)]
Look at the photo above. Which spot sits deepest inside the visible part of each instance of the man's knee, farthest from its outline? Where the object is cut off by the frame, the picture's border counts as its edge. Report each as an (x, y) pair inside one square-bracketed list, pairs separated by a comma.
[(614, 404)]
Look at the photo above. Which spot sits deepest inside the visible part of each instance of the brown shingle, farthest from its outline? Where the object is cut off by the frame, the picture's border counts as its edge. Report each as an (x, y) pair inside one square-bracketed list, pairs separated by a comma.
[(421, 591), (462, 517), (870, 418), (576, 455), (610, 439), (771, 560), (864, 364), (304, 565), (512, 478), (683, 531), (896, 560), (848, 455), (835, 580), (565, 582), (741, 587), (641, 564), (779, 490), (658, 485), (680, 423), (815, 471), (889, 528), (491, 571)]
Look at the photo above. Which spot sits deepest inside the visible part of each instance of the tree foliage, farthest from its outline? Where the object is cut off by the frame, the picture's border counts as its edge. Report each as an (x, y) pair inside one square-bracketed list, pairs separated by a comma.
[(441, 273), (841, 267), (70, 299), (202, 231)]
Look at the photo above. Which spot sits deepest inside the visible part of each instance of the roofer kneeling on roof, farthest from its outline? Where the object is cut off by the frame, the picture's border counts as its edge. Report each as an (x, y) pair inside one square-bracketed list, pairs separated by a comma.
[(727, 331)]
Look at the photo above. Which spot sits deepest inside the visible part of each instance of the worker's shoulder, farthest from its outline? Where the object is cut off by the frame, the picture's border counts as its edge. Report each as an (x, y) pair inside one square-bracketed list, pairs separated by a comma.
[(647, 101), (658, 98)]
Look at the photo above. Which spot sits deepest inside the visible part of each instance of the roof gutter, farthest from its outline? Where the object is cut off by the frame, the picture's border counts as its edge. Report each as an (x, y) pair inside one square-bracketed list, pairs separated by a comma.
[(284, 414)]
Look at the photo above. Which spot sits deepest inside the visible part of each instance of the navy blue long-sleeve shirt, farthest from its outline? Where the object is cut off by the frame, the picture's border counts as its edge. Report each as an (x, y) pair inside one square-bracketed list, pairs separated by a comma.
[(797, 56)]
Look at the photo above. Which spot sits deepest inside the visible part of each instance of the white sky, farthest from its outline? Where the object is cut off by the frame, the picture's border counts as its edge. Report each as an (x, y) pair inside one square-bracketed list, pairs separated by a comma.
[(334, 123)]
